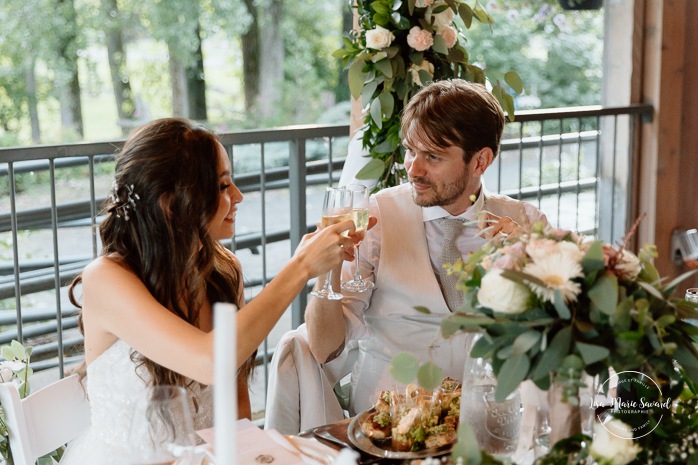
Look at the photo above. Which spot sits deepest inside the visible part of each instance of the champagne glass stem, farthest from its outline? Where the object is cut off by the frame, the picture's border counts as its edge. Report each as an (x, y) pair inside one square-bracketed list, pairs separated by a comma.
[(357, 271)]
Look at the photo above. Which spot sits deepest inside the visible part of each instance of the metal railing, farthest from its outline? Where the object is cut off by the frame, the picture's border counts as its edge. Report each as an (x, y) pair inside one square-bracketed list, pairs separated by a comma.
[(574, 164)]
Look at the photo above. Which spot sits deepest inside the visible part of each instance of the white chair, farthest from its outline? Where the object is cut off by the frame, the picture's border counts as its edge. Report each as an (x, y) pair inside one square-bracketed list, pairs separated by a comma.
[(44, 420), (301, 392)]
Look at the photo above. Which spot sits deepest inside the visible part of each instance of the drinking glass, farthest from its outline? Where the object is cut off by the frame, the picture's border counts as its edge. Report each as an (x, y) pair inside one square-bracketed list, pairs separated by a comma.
[(503, 421), (162, 428), (360, 213), (335, 209)]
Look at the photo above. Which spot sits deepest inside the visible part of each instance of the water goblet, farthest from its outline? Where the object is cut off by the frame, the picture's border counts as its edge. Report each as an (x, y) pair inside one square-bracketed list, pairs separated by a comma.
[(336, 208), (360, 214)]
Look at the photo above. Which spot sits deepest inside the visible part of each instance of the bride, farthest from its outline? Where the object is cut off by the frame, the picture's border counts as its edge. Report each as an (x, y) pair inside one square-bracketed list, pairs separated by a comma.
[(147, 300)]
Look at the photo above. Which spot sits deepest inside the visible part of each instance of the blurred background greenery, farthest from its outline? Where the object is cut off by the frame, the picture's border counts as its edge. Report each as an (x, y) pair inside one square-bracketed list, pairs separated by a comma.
[(74, 70)]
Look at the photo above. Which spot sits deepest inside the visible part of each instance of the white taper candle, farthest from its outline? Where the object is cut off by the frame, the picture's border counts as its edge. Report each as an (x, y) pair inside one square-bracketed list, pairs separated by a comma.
[(225, 402)]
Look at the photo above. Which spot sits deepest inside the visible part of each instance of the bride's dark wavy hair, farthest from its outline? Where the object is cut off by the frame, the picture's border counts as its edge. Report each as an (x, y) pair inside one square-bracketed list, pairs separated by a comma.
[(171, 165)]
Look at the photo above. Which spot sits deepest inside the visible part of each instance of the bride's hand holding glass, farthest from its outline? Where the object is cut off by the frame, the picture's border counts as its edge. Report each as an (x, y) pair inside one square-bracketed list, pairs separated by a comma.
[(326, 248), (336, 208)]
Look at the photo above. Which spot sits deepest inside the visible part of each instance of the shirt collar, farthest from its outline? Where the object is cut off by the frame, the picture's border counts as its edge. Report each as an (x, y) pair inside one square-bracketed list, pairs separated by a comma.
[(434, 213)]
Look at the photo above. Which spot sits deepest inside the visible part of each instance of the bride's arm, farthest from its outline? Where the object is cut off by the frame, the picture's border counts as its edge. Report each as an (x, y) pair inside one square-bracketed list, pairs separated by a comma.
[(116, 302)]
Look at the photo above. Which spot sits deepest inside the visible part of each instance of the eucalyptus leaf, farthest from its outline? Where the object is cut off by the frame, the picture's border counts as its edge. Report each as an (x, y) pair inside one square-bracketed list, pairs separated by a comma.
[(368, 90), (440, 45), (686, 357), (678, 280), (651, 290), (521, 277), (387, 146), (482, 16), (466, 450), (387, 104), (560, 306), (592, 353), (356, 77), (509, 107), (385, 67), (376, 112), (381, 7), (554, 354), (457, 55), (621, 316), (483, 347), (525, 341), (593, 259), (512, 373), (424, 77), (18, 349), (7, 353), (372, 170), (466, 14), (514, 80), (404, 367), (382, 19), (429, 376), (604, 293)]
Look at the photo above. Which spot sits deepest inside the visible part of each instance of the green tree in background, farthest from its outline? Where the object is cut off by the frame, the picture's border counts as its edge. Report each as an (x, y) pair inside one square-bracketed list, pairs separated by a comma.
[(240, 63), (557, 53)]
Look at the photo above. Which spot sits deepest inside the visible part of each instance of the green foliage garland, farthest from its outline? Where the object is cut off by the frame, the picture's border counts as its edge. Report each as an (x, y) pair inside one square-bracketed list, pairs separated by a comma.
[(401, 46)]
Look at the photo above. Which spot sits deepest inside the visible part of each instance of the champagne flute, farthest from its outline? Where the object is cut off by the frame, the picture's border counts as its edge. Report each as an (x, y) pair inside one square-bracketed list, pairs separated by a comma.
[(162, 428), (360, 213), (335, 209)]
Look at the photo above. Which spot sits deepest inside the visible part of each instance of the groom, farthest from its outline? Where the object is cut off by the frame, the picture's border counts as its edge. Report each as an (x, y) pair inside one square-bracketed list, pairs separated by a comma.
[(451, 133)]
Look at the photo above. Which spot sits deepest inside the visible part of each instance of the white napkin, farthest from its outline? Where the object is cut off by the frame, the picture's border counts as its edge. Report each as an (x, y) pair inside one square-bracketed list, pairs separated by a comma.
[(310, 451)]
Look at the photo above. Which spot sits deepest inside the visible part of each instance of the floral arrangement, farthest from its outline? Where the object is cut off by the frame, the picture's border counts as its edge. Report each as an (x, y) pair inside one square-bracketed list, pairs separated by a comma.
[(14, 368), (554, 307), (400, 46)]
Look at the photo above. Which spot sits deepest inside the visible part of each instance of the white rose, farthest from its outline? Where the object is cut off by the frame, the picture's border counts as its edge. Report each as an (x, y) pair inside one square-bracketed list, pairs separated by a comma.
[(424, 66), (449, 35), (613, 443), (501, 294), (419, 39), (379, 38)]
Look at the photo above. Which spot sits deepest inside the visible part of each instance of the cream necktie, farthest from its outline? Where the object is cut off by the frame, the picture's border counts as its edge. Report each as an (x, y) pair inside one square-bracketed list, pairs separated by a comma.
[(452, 228)]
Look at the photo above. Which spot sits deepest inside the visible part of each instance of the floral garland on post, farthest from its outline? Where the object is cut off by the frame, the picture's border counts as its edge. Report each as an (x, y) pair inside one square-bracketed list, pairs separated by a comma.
[(401, 46)]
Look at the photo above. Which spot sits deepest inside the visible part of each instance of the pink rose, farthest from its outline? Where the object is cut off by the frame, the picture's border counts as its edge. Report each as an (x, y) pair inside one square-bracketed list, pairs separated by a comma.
[(449, 35), (419, 39), (423, 3)]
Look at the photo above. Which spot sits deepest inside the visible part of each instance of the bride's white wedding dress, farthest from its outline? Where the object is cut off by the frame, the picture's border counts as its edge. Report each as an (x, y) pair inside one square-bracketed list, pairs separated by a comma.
[(114, 388)]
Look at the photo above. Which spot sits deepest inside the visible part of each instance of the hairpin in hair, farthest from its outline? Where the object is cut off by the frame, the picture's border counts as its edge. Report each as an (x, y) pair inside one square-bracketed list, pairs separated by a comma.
[(123, 205)]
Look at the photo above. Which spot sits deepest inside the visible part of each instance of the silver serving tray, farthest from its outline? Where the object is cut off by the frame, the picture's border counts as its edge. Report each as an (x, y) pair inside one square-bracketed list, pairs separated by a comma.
[(364, 443)]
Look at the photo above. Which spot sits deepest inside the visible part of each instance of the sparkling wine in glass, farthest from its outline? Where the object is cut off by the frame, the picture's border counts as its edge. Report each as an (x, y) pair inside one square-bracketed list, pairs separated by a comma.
[(360, 214), (335, 209), (162, 428)]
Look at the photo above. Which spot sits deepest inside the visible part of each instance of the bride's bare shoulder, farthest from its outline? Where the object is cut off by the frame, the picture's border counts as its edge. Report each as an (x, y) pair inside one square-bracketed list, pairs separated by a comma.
[(109, 265)]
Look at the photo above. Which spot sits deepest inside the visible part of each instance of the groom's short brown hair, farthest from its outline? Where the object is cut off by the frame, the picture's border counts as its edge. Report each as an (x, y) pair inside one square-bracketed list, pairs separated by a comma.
[(457, 113)]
